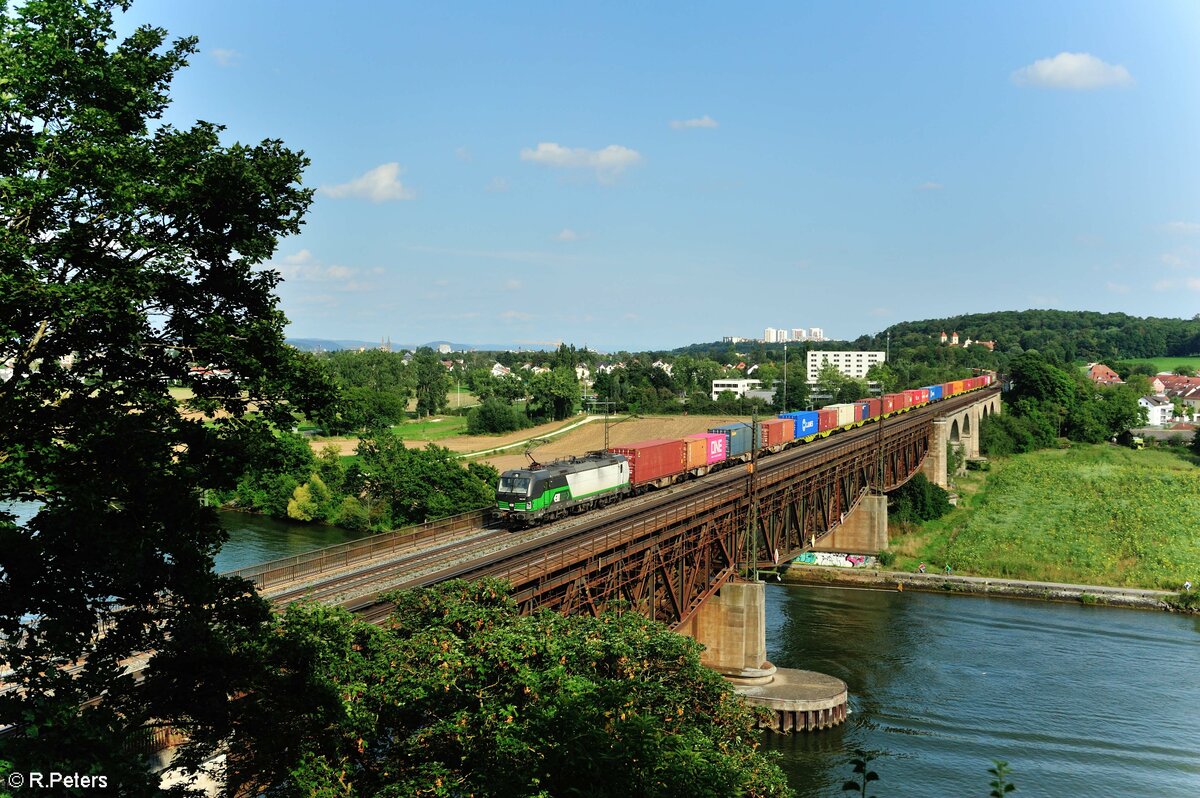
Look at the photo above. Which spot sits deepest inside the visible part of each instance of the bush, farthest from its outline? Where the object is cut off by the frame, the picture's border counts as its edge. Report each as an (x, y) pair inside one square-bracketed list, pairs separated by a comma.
[(495, 416), (918, 500)]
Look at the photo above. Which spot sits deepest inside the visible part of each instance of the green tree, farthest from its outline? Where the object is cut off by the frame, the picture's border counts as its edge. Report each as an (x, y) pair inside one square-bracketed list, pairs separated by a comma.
[(495, 416), (552, 394), (129, 249), (462, 695), (831, 381), (433, 382), (415, 485)]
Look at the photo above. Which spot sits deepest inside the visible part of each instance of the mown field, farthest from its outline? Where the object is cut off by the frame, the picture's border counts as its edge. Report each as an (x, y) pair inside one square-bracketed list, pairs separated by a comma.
[(1098, 515), (1171, 363)]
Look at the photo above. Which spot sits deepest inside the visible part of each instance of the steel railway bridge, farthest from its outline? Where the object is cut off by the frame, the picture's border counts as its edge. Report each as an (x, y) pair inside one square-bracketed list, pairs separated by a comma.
[(667, 554)]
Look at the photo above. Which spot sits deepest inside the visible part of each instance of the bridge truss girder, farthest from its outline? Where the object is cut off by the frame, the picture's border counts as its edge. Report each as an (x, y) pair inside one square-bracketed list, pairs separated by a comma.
[(665, 565)]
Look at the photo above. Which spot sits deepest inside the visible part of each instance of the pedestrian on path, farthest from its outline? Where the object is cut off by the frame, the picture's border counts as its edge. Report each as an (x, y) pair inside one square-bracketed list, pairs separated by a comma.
[(1187, 586), (921, 568)]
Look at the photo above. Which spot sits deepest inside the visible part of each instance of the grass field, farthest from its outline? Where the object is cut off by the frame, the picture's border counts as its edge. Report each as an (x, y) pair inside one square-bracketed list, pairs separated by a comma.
[(1171, 363), (432, 429), (1098, 515)]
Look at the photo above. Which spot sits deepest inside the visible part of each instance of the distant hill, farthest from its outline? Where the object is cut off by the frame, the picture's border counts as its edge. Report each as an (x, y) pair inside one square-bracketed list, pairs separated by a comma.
[(1064, 335), (331, 345)]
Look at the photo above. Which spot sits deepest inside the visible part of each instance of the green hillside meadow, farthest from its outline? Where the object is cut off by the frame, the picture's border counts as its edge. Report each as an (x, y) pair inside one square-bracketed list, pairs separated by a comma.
[(1098, 515)]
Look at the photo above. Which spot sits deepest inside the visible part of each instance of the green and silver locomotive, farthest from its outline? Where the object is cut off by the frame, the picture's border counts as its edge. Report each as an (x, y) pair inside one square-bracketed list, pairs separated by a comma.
[(543, 492)]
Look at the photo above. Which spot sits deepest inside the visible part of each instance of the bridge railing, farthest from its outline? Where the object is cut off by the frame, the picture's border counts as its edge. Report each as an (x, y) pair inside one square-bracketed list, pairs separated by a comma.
[(331, 558)]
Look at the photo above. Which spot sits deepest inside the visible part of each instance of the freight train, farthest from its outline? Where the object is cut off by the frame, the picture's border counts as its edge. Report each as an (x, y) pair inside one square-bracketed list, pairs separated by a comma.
[(545, 492)]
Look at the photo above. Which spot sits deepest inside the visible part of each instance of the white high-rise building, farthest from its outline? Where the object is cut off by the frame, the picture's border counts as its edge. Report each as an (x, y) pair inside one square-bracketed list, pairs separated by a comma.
[(852, 364), (816, 334), (799, 334), (781, 335), (770, 335)]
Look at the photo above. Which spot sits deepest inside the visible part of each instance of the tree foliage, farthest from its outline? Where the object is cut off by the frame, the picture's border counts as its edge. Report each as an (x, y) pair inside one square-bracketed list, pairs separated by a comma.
[(461, 695), (406, 486), (129, 250), (495, 415), (432, 382), (918, 500)]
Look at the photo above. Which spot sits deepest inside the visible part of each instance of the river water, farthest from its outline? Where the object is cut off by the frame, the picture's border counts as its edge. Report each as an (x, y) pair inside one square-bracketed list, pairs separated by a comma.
[(255, 539), (1081, 701)]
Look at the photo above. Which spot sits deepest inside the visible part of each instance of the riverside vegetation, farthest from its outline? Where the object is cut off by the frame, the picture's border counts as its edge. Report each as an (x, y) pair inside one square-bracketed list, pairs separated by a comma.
[(1088, 514)]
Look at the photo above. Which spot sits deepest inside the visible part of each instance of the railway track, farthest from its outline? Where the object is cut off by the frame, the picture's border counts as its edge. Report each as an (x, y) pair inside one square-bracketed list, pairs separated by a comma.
[(556, 541)]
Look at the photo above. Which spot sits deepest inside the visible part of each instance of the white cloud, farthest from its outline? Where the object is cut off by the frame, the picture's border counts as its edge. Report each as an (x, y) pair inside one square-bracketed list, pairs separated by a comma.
[(1164, 285), (224, 56), (1182, 228), (567, 234), (1173, 260), (930, 186), (608, 162), (1117, 288), (462, 153), (1193, 283), (516, 315), (302, 267), (684, 124), (378, 185), (498, 185), (881, 312), (512, 285), (1072, 71)]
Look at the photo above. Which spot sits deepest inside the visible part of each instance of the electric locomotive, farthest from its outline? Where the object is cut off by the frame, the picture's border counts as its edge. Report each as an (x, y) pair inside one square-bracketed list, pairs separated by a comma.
[(544, 492)]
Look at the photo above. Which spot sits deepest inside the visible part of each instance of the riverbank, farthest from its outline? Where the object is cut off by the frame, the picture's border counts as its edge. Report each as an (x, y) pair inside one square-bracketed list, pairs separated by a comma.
[(1083, 515), (798, 573)]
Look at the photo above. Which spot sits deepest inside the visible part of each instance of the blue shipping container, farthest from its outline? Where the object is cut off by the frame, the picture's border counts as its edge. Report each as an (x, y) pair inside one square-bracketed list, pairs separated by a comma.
[(737, 437), (805, 420), (862, 411), (935, 392)]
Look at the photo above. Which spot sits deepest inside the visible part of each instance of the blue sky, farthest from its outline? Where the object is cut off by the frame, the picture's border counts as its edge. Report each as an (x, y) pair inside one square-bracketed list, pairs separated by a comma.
[(650, 175)]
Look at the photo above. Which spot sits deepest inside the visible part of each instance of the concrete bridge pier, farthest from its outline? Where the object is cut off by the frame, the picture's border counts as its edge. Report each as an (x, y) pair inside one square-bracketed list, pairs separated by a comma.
[(934, 467), (732, 625), (863, 531)]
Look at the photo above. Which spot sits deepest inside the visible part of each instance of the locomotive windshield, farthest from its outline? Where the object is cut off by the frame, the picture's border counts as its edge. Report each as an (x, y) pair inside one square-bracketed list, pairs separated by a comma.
[(514, 485)]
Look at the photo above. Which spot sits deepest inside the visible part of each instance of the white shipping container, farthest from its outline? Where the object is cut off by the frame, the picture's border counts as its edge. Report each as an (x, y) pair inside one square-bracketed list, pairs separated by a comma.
[(845, 413)]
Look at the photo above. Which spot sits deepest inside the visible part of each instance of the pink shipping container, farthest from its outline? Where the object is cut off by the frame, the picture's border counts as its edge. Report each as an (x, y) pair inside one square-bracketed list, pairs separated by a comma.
[(987, 379), (947, 390), (654, 460), (714, 449), (827, 419)]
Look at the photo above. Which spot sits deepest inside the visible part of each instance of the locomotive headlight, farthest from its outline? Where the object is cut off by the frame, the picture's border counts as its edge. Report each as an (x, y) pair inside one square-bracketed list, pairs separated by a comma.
[(527, 506)]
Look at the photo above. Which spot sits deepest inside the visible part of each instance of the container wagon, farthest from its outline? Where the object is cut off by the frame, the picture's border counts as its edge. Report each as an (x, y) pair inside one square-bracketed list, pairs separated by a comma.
[(654, 463)]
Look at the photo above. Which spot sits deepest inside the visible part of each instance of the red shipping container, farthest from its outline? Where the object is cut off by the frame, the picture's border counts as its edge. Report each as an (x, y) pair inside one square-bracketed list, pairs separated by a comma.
[(913, 397), (947, 390), (776, 431), (924, 394), (874, 408), (827, 419), (892, 402), (714, 447), (650, 461)]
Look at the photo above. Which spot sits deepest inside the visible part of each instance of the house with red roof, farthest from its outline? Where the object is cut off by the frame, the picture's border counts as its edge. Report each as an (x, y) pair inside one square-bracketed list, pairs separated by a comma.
[(1103, 375)]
